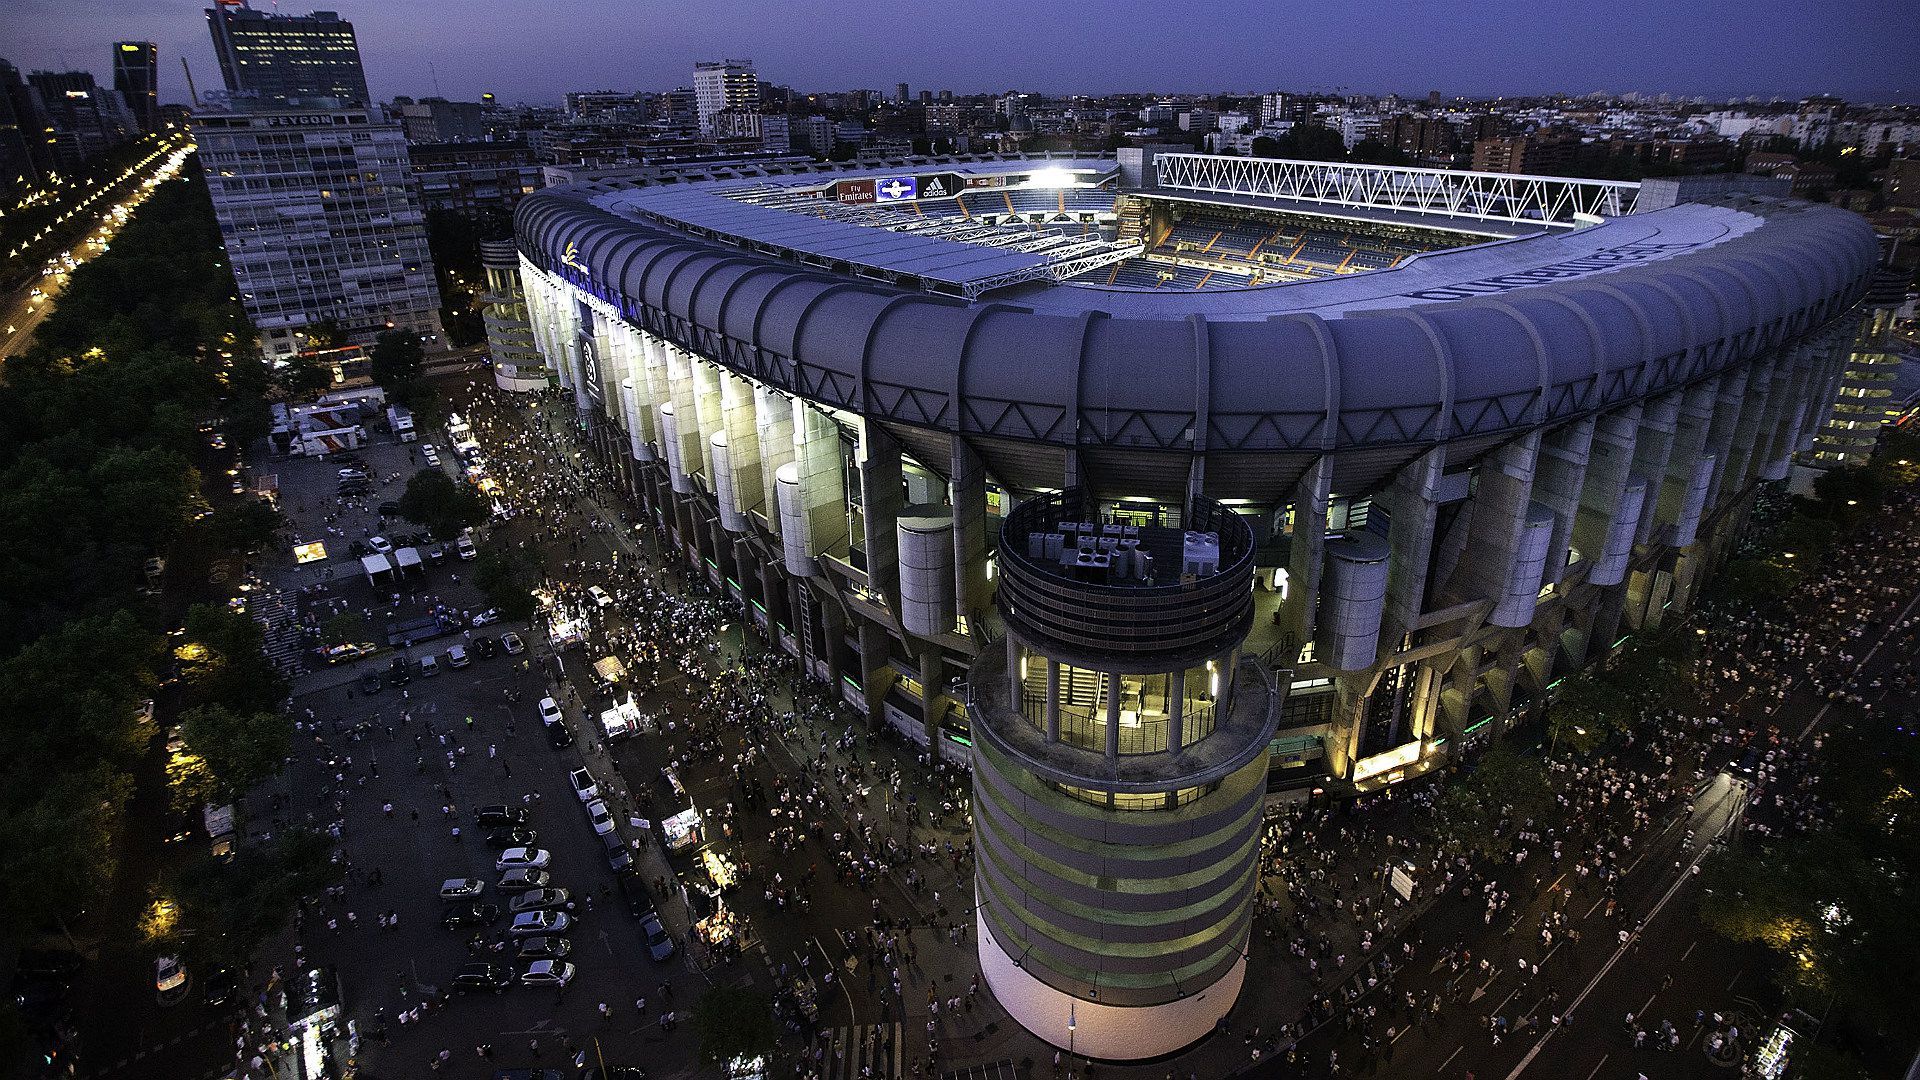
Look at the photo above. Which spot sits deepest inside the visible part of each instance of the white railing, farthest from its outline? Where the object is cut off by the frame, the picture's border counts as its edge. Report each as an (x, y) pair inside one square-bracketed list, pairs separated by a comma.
[(1511, 197)]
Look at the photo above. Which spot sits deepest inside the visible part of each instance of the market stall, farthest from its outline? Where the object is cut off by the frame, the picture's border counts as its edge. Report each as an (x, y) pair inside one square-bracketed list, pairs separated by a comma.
[(682, 830)]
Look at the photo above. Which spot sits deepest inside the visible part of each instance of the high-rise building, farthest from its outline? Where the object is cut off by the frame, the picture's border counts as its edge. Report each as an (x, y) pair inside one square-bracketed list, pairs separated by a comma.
[(322, 222), (900, 93), (26, 141), (516, 359), (280, 60), (83, 121), (136, 78), (724, 84), (437, 120)]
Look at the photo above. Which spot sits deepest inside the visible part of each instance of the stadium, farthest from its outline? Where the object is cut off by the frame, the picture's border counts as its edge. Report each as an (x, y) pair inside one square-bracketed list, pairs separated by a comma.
[(1151, 486)]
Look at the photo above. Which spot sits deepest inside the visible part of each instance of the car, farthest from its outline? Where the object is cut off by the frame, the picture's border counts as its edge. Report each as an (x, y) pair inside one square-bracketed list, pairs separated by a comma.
[(511, 642), (490, 978), (549, 711), (523, 879), (437, 554), (485, 647), (379, 545), (519, 858), (547, 973), (176, 741), (169, 980), (457, 657), (491, 615), (635, 894), (499, 814), (560, 736), (239, 486), (390, 509), (583, 784), (455, 888), (429, 666), (601, 818), (219, 986), (355, 487), (432, 458), (473, 915), (539, 900), (144, 713), (370, 683), (544, 923), (600, 596), (619, 855), (217, 441), (464, 546), (659, 945), (544, 948), (511, 836), (353, 473), (399, 672)]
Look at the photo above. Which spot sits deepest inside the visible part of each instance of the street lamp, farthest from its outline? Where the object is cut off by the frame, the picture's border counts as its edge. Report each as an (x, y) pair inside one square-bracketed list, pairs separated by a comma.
[(1072, 1025)]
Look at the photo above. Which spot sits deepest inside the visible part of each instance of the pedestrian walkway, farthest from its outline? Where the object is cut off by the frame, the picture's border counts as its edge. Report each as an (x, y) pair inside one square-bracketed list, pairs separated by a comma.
[(862, 1052), (278, 614)]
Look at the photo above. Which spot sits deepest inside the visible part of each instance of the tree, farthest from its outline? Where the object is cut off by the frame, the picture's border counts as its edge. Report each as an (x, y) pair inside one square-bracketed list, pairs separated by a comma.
[(223, 663), (506, 576), (1265, 146), (346, 628), (245, 525), (445, 507), (240, 749), (302, 376), (224, 911), (1478, 810), (734, 1023), (396, 364), (1588, 709)]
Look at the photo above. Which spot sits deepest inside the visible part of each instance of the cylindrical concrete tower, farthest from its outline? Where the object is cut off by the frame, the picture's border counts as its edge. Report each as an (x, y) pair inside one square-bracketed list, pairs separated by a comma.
[(1120, 765), (925, 536)]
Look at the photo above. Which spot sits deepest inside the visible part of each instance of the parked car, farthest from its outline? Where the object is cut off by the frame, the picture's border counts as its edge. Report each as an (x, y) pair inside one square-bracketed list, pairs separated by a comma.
[(399, 672), (635, 894), (457, 656), (484, 648), (619, 856), (511, 642), (659, 945), (539, 900), (219, 986), (600, 596), (601, 818), (462, 888), (546, 923), (547, 973), (429, 666), (583, 784), (544, 948), (490, 978), (487, 617), (370, 683), (497, 814), (523, 858), (380, 545), (169, 980), (511, 836), (465, 547), (522, 879), (560, 736), (550, 711), (477, 916)]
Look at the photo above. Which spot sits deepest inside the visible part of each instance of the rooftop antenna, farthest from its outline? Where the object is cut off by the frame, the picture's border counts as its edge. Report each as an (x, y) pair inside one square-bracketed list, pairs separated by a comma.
[(193, 95)]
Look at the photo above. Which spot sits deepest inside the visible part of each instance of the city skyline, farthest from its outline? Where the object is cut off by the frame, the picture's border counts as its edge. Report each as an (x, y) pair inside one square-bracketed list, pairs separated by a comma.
[(1492, 49)]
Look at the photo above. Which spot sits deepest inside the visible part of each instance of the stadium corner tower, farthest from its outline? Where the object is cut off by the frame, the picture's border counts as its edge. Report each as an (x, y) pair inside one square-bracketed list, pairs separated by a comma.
[(1149, 488)]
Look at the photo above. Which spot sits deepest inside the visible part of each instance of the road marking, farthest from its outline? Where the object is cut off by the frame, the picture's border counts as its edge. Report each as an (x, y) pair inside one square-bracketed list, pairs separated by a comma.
[(1861, 666), (1450, 1057), (1736, 978), (1690, 948), (1503, 1001), (1596, 1067)]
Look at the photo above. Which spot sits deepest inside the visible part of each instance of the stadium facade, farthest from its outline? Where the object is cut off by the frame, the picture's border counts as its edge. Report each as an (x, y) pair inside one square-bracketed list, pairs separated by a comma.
[(1149, 486)]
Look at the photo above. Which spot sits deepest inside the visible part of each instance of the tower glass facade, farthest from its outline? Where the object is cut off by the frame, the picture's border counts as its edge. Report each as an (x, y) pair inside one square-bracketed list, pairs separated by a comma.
[(282, 60)]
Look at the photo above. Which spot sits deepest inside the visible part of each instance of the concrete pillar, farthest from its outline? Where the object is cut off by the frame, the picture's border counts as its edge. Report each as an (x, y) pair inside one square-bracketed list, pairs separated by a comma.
[(706, 404), (1685, 483), (725, 495), (1412, 503), (822, 484), (973, 593), (1306, 554), (881, 496), (688, 453), (934, 700), (1564, 455), (1653, 447), (1731, 402), (924, 536), (773, 413), (876, 668), (1352, 602), (1609, 469), (1749, 435), (741, 421), (1501, 506), (1527, 568), (676, 463)]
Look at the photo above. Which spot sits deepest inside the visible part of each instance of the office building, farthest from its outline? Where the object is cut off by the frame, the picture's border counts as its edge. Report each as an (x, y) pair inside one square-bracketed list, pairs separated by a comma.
[(136, 78), (437, 120), (322, 222), (473, 178), (286, 60), (26, 138), (724, 84), (83, 121)]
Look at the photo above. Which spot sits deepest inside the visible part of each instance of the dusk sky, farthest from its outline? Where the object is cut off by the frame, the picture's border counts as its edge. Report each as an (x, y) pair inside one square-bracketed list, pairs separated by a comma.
[(534, 50)]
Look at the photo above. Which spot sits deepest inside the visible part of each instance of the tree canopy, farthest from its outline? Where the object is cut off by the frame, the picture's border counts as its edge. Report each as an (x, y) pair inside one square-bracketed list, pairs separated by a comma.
[(443, 505)]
